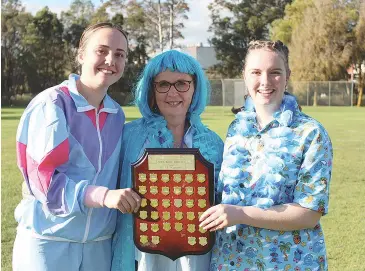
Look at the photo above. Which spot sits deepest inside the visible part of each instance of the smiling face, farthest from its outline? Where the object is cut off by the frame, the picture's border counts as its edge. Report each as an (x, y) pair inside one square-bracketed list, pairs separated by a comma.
[(173, 103), (103, 58), (266, 77)]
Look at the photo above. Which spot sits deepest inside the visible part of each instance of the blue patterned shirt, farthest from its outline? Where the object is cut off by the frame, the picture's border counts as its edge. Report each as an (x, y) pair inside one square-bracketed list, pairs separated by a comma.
[(288, 161)]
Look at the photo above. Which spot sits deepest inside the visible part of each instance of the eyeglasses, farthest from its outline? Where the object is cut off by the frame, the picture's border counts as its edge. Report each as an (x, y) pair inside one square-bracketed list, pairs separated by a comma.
[(180, 86)]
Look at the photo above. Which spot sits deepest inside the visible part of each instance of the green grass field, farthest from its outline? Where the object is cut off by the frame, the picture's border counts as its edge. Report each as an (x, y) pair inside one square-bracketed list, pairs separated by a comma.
[(344, 226)]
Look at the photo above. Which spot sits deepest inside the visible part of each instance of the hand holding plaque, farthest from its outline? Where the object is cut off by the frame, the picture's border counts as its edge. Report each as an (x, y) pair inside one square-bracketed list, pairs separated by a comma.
[(176, 187), (125, 200)]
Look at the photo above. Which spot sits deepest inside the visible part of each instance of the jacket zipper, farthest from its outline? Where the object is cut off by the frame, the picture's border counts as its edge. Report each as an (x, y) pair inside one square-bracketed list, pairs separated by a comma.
[(87, 229)]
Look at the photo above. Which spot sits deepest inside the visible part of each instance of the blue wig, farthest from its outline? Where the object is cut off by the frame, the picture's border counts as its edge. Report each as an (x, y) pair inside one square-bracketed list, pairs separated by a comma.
[(174, 61)]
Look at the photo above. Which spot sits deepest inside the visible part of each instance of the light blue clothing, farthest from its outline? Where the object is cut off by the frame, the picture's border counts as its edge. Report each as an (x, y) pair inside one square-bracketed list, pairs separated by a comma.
[(153, 134), (33, 254), (288, 161), (64, 145)]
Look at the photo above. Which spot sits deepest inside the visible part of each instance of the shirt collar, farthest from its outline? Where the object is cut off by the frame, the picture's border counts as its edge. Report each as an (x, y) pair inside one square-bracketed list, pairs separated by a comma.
[(82, 104)]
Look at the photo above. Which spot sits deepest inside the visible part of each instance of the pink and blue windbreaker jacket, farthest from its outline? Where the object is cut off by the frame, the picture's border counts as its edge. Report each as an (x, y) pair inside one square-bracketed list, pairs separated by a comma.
[(64, 146)]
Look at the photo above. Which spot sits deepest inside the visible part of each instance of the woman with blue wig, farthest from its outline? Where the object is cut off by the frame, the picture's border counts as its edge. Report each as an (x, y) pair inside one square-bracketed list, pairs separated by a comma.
[(171, 94)]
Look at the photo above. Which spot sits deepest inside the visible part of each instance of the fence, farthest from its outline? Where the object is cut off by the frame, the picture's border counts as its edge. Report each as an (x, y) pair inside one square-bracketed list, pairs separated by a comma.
[(231, 92)]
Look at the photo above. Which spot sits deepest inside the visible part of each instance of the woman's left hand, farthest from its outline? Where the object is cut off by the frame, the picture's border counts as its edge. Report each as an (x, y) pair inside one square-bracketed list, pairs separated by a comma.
[(220, 216)]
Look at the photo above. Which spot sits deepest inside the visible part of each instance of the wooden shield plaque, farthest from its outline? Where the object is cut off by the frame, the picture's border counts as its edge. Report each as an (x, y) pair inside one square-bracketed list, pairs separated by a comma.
[(176, 187)]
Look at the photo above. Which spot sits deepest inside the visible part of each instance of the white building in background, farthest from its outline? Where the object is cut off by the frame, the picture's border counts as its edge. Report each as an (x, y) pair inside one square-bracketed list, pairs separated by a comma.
[(205, 55), (354, 72)]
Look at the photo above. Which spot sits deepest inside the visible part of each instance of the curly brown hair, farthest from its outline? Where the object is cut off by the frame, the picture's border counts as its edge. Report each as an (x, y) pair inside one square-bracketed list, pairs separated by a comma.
[(275, 46)]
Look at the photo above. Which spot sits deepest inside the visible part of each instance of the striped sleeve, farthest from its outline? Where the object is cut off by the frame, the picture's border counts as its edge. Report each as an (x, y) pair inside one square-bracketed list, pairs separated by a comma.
[(43, 155)]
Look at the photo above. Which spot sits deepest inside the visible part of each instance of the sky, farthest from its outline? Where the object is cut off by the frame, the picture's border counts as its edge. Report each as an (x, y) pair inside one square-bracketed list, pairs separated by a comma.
[(196, 27)]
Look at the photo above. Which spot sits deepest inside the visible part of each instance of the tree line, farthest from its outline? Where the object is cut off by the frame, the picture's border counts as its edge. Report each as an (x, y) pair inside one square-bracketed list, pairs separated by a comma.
[(325, 38), (38, 51)]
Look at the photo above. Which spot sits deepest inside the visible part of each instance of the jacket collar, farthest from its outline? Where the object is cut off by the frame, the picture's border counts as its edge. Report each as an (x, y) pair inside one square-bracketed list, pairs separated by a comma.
[(82, 104)]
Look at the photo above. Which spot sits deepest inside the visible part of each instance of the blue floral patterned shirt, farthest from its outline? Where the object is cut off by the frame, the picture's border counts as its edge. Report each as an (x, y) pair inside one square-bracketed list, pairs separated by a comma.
[(288, 161)]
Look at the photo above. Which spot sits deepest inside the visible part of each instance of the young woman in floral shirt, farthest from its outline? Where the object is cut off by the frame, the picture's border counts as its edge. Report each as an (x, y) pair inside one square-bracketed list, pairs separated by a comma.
[(275, 175)]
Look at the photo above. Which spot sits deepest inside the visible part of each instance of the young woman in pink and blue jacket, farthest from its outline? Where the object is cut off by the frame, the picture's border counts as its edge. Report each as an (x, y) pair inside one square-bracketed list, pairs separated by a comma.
[(68, 148)]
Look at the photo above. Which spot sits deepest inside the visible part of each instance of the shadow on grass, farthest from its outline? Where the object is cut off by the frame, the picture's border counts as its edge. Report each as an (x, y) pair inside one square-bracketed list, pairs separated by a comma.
[(10, 117), (9, 112)]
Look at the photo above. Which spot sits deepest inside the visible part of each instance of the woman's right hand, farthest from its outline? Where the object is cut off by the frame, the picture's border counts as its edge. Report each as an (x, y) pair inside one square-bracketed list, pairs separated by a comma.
[(125, 200)]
